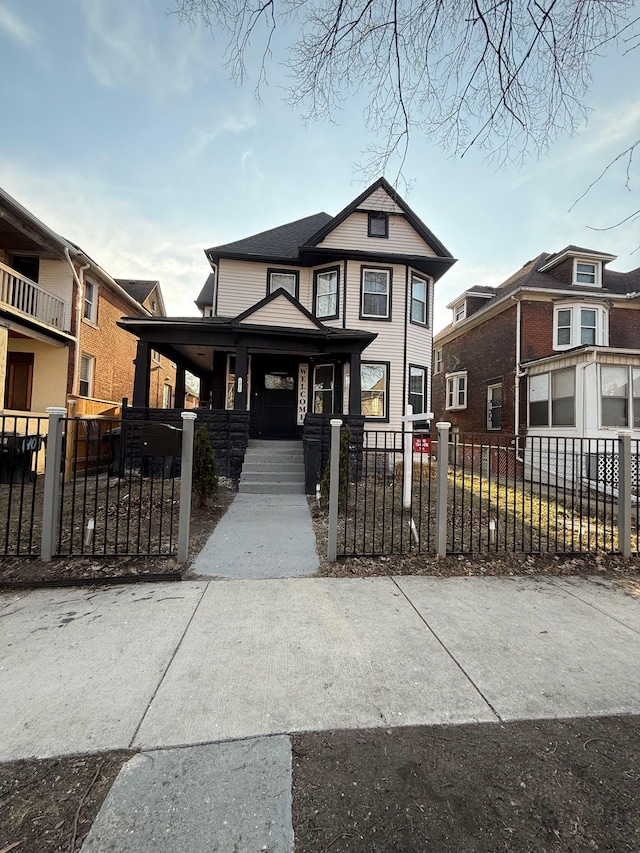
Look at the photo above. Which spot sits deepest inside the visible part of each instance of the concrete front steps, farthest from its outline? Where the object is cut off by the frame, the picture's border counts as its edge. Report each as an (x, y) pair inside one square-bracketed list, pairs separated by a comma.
[(273, 468)]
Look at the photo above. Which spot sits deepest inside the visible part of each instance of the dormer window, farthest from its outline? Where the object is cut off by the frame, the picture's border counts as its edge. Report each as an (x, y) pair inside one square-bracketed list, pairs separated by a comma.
[(378, 225), (587, 272), (459, 312)]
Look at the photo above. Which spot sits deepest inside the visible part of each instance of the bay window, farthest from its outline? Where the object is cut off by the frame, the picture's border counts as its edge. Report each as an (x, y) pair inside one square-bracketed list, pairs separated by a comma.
[(456, 397), (326, 294)]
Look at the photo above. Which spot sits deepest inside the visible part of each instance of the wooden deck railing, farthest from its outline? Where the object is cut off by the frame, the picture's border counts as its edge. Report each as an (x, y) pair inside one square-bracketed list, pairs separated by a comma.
[(26, 296)]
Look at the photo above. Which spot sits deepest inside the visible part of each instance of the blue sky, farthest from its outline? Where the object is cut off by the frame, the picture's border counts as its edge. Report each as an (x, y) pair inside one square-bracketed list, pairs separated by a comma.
[(122, 132)]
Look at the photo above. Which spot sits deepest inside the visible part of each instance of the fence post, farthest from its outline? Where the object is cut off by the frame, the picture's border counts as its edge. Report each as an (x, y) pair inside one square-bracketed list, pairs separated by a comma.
[(407, 469), (334, 489), (53, 464), (186, 479), (624, 493), (442, 487)]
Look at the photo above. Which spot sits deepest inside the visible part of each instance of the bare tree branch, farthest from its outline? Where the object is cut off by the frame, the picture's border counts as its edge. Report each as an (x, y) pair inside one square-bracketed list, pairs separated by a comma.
[(505, 76)]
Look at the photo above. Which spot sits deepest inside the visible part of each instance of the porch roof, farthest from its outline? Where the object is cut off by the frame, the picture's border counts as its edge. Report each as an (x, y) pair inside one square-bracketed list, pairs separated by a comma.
[(189, 340)]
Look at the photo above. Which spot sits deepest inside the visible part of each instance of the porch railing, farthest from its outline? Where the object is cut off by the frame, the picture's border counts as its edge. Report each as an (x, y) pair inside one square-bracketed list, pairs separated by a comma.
[(29, 298)]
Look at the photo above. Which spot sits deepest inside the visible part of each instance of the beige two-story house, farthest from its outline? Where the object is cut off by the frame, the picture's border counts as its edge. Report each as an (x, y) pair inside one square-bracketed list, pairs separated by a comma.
[(326, 315)]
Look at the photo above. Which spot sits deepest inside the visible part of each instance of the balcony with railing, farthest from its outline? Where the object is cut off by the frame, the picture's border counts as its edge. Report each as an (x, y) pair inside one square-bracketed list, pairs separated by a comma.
[(27, 297)]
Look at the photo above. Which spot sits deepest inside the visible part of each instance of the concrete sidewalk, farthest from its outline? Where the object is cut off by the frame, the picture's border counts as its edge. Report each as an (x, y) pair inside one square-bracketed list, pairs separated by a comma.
[(162, 666)]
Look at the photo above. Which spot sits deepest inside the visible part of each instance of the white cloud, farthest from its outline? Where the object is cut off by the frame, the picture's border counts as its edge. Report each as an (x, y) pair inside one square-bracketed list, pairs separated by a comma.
[(15, 27), (231, 124), (125, 243), (127, 44)]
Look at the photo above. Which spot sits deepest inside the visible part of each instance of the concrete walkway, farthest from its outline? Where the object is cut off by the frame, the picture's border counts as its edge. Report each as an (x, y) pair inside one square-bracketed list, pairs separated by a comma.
[(206, 665), (261, 536)]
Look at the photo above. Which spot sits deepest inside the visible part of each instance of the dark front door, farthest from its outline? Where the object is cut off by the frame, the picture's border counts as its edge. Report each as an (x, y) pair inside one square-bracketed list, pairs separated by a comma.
[(278, 404)]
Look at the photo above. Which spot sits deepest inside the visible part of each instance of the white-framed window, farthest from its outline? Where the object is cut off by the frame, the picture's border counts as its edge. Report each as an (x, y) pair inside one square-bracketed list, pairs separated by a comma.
[(286, 279), (326, 293), (438, 361), (620, 396), (378, 225), (456, 390), (494, 406), (419, 301), (587, 272), (155, 355), (90, 308), (418, 388), (375, 298), (87, 372), (230, 396), (374, 390), (578, 324), (459, 312), (323, 386), (552, 398)]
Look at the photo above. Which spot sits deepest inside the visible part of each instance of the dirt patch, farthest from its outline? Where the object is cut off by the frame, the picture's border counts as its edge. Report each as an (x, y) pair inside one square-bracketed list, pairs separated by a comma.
[(29, 571), (545, 786), (528, 786), (48, 805), (495, 563)]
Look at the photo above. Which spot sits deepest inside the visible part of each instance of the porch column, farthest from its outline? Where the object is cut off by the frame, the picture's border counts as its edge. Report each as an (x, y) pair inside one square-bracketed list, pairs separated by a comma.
[(241, 379), (4, 350), (178, 400), (142, 375), (355, 397)]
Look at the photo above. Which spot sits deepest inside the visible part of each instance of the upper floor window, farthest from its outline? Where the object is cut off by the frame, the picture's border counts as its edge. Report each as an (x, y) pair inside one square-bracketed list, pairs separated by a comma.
[(90, 310), (579, 325), (552, 398), (375, 299), (378, 225), (286, 279), (419, 301), (459, 312), (374, 394), (587, 272), (325, 288), (620, 396), (323, 383), (418, 389), (456, 397)]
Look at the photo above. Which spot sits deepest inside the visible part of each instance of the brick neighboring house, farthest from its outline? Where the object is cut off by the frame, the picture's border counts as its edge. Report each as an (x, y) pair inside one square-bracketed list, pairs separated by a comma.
[(552, 351), (58, 320), (325, 315)]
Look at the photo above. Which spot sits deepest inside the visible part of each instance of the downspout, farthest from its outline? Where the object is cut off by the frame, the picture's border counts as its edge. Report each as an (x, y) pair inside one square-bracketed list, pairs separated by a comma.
[(516, 372), (78, 280)]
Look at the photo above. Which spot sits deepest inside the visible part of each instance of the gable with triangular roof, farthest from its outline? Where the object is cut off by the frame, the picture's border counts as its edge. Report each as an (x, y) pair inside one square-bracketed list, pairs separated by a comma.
[(379, 221), (279, 309)]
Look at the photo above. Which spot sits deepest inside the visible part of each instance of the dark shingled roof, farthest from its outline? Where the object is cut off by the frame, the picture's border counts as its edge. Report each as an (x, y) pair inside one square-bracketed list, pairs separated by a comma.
[(205, 296), (528, 276), (138, 288), (278, 243)]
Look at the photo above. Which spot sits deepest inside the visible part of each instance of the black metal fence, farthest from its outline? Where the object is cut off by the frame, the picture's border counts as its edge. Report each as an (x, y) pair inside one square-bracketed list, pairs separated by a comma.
[(530, 495), (375, 517), (22, 451), (119, 488), (119, 494)]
